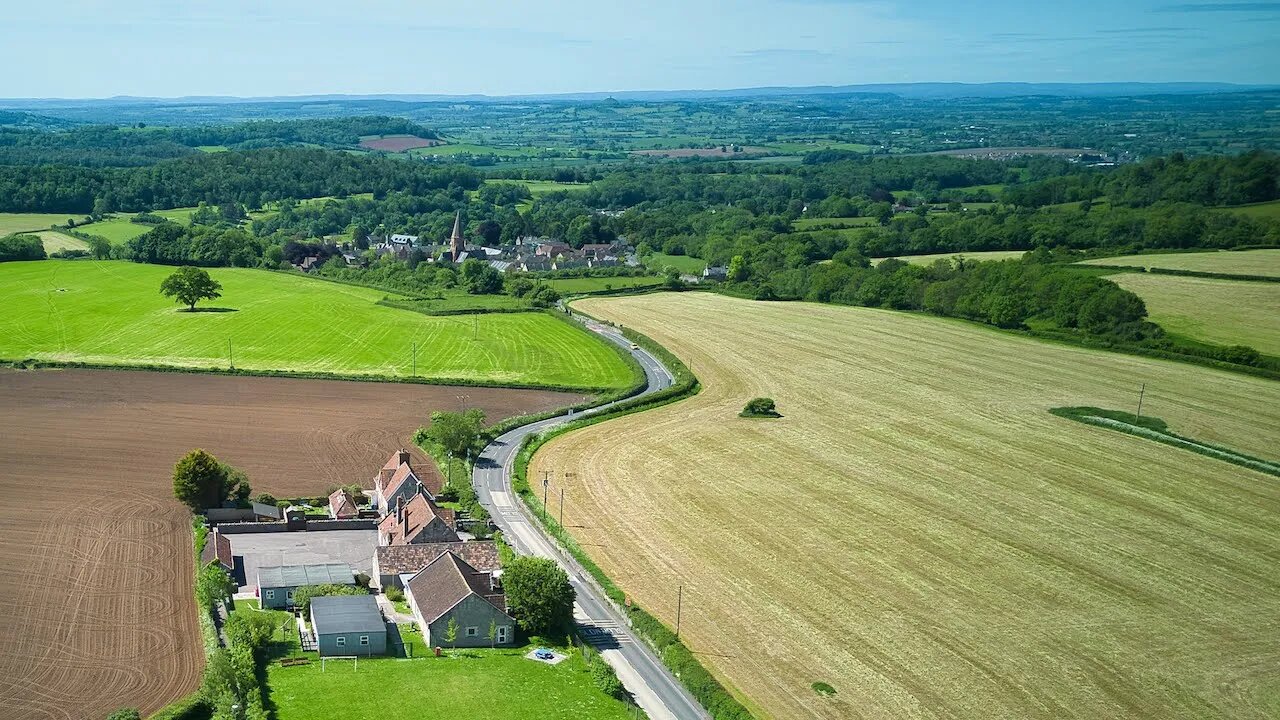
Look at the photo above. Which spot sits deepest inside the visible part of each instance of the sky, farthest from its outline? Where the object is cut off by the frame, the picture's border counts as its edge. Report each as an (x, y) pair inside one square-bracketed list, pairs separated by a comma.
[(90, 48)]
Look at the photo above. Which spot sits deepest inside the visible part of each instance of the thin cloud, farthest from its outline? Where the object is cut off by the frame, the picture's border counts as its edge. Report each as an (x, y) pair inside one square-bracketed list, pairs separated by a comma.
[(1260, 7)]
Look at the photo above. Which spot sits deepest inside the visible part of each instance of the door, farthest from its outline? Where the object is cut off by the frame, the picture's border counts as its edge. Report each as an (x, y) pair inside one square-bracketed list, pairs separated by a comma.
[(288, 596), (502, 633)]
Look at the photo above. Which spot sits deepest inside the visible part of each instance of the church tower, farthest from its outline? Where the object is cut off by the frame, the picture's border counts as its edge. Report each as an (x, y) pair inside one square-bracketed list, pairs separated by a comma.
[(456, 245)]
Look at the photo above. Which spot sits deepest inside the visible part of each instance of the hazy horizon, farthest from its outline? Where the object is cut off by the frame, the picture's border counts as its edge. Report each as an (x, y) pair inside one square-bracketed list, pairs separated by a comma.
[(82, 49)]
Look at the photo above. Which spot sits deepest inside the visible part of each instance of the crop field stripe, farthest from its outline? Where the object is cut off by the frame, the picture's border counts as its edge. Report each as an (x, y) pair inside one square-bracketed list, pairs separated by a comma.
[(1238, 262), (112, 312), (920, 533)]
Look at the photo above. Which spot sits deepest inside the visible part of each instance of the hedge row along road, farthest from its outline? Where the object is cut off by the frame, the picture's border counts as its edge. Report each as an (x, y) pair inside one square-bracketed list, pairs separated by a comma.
[(655, 689)]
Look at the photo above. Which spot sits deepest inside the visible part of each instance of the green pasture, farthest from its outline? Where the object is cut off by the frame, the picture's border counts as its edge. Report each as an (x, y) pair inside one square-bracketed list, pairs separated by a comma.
[(113, 313), (27, 222), (807, 146), (587, 285), (682, 263), (976, 256), (1235, 262), (473, 149), (812, 223), (1269, 210)]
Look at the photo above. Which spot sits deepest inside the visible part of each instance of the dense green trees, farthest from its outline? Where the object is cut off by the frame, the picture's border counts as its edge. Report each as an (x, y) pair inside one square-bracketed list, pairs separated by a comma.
[(21, 247), (201, 482), (539, 595), (457, 433)]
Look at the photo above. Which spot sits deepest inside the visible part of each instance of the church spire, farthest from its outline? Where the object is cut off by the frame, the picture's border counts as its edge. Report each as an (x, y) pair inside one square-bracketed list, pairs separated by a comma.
[(456, 245)]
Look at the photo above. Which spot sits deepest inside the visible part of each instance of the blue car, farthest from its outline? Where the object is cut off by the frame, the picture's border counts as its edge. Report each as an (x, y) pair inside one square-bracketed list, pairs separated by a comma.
[(544, 654)]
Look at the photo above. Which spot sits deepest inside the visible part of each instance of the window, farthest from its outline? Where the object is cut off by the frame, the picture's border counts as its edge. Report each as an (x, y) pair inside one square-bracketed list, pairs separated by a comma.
[(269, 594), (340, 641), (364, 639), (473, 631)]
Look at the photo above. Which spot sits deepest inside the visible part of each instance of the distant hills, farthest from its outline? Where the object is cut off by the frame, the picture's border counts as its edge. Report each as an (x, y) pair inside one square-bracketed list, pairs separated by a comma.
[(918, 91)]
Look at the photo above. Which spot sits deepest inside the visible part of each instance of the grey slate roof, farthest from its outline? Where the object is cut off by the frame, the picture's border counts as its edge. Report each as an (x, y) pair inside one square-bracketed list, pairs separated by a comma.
[(298, 575), (334, 614)]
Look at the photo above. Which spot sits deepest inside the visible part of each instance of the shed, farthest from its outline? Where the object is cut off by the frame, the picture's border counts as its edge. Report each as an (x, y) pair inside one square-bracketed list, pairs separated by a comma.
[(277, 583), (348, 625)]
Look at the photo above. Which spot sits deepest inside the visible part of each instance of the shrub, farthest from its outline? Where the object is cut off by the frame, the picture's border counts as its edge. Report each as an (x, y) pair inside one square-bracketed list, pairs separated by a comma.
[(823, 689), (266, 499), (605, 678), (395, 594), (760, 407), (125, 714), (303, 595)]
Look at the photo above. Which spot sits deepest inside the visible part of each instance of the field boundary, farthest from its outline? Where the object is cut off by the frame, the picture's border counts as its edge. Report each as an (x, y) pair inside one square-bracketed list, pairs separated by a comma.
[(35, 364), (1151, 428), (1187, 273)]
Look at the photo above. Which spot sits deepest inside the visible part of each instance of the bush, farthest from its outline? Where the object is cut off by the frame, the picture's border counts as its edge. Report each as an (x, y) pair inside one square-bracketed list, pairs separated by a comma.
[(823, 689), (303, 595), (604, 678), (125, 714), (266, 499), (760, 407), (395, 594), (21, 247)]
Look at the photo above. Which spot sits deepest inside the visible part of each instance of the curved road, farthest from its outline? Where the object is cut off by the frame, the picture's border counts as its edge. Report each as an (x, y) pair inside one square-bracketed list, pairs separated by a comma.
[(655, 689)]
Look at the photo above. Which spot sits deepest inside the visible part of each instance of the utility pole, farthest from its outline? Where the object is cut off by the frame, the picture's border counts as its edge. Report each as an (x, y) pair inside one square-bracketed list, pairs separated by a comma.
[(462, 402), (415, 358), (1141, 393), (561, 508), (679, 607), (546, 480), (230, 355)]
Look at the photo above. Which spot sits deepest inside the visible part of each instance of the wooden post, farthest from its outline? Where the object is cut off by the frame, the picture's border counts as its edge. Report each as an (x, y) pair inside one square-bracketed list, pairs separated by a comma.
[(1141, 393)]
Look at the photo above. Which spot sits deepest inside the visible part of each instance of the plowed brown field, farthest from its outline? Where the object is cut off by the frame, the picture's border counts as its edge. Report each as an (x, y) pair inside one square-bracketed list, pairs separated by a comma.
[(95, 556)]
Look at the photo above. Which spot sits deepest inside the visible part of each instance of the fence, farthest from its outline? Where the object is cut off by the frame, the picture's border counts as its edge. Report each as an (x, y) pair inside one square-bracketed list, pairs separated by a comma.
[(239, 528)]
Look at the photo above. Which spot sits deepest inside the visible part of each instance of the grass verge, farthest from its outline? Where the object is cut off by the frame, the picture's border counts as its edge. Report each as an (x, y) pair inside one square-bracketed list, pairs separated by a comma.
[(1156, 429)]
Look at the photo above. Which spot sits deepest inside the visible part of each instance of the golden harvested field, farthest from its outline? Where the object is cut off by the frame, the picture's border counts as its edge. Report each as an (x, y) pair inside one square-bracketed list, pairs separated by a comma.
[(1226, 312), (920, 533), (1243, 262), (55, 241)]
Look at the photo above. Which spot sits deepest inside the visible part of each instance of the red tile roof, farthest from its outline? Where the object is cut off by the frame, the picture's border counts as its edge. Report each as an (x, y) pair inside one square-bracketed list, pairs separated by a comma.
[(422, 520), (342, 505)]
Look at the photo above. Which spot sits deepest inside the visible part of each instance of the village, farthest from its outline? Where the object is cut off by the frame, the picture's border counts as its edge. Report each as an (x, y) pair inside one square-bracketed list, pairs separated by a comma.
[(372, 562)]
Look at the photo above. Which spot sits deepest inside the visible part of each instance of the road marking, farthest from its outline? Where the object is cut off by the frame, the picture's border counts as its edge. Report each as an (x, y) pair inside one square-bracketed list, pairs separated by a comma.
[(501, 499)]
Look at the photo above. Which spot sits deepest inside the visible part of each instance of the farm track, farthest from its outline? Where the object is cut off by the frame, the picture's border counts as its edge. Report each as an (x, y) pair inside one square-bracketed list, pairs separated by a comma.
[(95, 558), (920, 533)]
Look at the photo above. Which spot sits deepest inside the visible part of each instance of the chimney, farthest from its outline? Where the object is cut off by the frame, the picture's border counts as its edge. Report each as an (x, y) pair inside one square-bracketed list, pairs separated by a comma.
[(403, 456)]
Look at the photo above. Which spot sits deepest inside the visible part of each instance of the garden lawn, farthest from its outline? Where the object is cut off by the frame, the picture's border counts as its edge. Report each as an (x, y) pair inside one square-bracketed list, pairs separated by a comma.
[(489, 684), (113, 313)]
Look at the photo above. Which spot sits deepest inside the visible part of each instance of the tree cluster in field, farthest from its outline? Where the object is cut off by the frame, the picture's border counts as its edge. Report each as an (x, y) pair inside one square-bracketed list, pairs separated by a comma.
[(252, 178), (21, 247), (116, 146), (201, 482), (760, 407)]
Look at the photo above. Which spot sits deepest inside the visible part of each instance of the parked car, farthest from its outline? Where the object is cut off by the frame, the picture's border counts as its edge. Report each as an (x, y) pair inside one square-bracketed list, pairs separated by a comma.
[(544, 654)]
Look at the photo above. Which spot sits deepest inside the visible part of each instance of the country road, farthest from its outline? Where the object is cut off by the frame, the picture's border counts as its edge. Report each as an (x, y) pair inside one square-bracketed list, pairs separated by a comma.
[(655, 689)]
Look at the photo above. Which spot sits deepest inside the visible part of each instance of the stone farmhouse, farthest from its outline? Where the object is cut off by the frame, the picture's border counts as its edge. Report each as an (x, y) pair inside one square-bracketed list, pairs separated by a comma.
[(449, 589)]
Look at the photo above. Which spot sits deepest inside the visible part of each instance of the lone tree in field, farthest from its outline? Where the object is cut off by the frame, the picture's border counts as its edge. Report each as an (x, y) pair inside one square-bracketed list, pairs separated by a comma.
[(189, 285), (760, 407), (200, 481), (539, 595)]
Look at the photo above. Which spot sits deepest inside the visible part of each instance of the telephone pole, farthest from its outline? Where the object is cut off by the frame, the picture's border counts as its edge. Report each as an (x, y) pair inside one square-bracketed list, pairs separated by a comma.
[(561, 508), (230, 355), (679, 607), (1141, 393), (415, 359), (546, 480)]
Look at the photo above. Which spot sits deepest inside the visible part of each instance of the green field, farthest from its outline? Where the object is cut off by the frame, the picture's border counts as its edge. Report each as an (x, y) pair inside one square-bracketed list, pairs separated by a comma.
[(1243, 262), (566, 286), (1224, 312), (22, 222), (682, 263), (117, 231), (1258, 210), (978, 256), (468, 148), (811, 223), (815, 145), (112, 312)]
